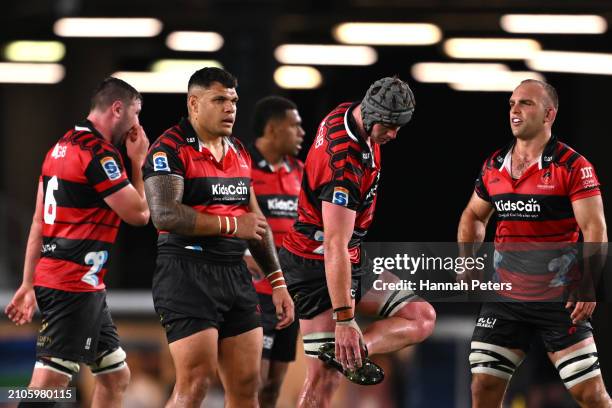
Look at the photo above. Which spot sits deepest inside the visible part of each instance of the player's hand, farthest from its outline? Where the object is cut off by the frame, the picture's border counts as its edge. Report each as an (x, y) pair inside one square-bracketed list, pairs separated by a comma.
[(582, 310), (349, 340), (251, 226), (252, 266), (284, 307), (22, 306), (137, 145)]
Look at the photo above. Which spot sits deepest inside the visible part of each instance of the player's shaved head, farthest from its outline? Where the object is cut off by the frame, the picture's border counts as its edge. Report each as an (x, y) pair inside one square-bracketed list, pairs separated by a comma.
[(551, 92)]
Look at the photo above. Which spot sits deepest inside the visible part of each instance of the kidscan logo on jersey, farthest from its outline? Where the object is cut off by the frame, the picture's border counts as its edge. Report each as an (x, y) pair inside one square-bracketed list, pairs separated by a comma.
[(530, 206), (230, 189), (110, 168), (277, 204)]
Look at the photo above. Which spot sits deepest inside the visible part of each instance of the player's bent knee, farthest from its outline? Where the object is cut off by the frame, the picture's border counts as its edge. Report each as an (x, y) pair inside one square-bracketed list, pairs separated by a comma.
[(493, 360), (593, 396), (579, 365), (486, 385), (424, 317), (58, 365), (109, 361)]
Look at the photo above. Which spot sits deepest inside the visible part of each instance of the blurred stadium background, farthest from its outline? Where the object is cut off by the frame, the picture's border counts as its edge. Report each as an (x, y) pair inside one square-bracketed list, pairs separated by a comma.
[(462, 59)]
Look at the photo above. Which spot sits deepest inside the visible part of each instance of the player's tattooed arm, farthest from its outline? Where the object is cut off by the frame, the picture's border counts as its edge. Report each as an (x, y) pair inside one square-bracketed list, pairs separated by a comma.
[(263, 250), (164, 195)]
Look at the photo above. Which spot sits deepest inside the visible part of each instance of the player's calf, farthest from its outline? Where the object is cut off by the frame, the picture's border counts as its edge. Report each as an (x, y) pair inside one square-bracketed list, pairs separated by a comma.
[(320, 384)]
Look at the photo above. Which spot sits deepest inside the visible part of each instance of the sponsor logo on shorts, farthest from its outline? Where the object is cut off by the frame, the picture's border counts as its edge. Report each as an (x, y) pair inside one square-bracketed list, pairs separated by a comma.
[(110, 168), (486, 323), (340, 196), (88, 343), (268, 342), (43, 341), (160, 162)]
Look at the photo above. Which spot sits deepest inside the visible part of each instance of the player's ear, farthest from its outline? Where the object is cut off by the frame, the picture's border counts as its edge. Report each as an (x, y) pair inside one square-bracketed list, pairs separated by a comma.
[(551, 114), (117, 108), (270, 128), (192, 104)]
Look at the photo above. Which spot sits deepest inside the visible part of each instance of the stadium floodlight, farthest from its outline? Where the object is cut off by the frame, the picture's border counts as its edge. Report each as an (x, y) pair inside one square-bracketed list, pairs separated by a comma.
[(107, 27), (202, 41), (572, 62), (156, 82), (319, 54), (297, 77), (502, 81), (491, 48), (454, 72), (24, 73), (387, 33), (553, 23), (34, 51)]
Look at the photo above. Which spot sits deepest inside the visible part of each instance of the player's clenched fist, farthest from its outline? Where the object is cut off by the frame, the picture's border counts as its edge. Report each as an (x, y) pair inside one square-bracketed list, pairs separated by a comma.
[(251, 226)]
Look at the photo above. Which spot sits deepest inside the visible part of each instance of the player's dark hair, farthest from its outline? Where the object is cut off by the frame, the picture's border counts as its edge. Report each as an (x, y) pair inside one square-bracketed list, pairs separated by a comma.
[(548, 88), (111, 90), (270, 107), (206, 76)]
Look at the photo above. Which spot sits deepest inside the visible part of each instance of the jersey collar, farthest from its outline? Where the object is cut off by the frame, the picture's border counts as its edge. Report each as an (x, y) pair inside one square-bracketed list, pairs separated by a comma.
[(87, 126), (191, 137), (260, 161), (548, 156), (189, 134)]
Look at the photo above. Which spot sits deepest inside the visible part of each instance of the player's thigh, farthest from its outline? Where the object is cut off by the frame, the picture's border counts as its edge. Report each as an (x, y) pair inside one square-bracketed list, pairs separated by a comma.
[(196, 354), (70, 331), (499, 344), (240, 358)]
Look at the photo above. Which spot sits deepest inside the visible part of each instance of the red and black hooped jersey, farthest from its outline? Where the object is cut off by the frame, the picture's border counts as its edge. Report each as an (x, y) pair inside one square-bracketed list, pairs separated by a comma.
[(277, 195), (78, 227), (211, 187), (342, 169), (534, 212)]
